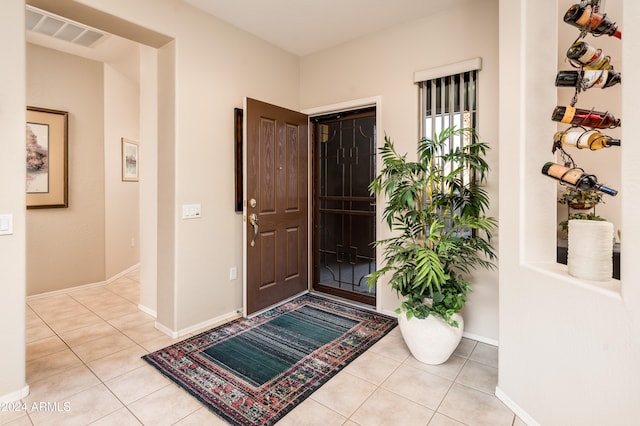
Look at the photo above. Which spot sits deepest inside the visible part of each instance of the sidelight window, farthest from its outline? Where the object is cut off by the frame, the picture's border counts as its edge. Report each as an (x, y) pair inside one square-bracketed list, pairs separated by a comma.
[(448, 97)]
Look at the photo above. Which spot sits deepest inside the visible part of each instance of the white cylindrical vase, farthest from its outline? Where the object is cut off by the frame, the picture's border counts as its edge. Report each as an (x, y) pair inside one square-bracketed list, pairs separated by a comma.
[(590, 249)]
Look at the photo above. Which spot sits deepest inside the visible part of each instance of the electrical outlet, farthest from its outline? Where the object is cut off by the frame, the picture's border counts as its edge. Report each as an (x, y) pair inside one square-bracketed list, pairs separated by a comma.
[(133, 242), (233, 273), (191, 211)]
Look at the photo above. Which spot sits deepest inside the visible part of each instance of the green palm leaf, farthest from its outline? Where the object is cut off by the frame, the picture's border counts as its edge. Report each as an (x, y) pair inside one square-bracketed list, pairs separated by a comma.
[(436, 209)]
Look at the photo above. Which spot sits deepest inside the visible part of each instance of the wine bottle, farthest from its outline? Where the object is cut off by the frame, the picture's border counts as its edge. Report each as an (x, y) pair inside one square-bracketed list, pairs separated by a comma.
[(582, 54), (585, 117), (576, 178), (581, 139), (597, 24), (587, 79)]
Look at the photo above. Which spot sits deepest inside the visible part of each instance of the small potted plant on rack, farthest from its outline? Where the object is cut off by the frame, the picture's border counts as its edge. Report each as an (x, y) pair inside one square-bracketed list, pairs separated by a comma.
[(435, 210), (580, 200), (576, 199)]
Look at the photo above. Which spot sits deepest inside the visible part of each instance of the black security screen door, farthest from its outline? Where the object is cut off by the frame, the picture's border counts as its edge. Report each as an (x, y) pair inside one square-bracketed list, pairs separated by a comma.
[(345, 212)]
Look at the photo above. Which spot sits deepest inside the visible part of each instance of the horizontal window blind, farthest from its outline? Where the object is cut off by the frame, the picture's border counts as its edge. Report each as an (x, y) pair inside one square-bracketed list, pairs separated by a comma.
[(448, 101)]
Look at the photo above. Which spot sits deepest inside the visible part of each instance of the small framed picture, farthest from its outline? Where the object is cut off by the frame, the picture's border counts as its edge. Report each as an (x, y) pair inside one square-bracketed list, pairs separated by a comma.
[(46, 158), (129, 160)]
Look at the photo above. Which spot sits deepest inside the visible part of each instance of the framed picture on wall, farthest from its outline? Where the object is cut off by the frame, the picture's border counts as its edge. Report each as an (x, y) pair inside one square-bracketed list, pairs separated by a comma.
[(46, 158), (130, 160), (237, 113)]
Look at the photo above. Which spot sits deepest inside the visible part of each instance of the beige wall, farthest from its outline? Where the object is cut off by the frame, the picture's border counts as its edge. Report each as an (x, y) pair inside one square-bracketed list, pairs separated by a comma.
[(166, 178), (12, 201), (149, 179), (215, 65), (66, 247), (122, 118), (272, 75), (569, 348), (97, 237), (383, 64)]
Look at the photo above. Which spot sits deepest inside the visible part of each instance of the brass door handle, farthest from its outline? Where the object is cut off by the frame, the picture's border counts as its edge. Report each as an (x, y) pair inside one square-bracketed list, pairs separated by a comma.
[(253, 220)]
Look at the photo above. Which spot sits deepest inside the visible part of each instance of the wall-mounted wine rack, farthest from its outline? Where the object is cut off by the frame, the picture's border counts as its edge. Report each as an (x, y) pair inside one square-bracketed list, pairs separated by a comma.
[(592, 69)]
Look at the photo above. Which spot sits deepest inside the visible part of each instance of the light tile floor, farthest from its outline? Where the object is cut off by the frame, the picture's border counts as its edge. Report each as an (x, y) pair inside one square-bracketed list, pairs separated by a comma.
[(84, 367)]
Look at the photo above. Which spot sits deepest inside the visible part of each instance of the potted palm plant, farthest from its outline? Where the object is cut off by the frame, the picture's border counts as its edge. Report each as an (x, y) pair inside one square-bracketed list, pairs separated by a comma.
[(436, 212)]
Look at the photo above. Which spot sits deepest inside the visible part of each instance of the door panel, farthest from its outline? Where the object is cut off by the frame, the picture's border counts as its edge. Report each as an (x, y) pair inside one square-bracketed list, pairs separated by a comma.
[(345, 212), (277, 179)]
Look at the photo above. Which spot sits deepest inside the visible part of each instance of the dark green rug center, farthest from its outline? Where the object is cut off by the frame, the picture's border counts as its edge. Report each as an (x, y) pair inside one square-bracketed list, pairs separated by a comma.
[(260, 354)]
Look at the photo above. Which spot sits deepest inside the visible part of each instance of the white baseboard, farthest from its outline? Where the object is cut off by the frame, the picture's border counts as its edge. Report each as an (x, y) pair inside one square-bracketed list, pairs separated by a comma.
[(389, 313), (471, 336), (84, 286), (16, 396), (205, 324), (210, 323), (523, 415), (148, 311), (166, 330), (66, 290), (488, 341), (123, 273)]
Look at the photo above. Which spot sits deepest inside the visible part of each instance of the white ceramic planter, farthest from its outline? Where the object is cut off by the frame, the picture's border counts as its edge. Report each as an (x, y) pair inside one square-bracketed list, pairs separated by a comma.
[(590, 250), (431, 340)]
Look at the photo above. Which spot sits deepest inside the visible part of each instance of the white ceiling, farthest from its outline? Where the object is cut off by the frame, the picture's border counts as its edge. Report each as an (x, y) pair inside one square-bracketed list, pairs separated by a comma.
[(297, 26), (306, 26)]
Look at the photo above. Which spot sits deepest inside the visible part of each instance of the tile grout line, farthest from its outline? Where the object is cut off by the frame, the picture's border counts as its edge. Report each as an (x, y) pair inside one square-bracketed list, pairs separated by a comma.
[(453, 382), (80, 359), (190, 414), (126, 406), (85, 364), (401, 363), (378, 387)]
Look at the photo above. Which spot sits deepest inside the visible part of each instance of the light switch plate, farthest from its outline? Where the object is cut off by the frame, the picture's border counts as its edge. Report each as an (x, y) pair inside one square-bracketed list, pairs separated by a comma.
[(6, 224), (191, 211)]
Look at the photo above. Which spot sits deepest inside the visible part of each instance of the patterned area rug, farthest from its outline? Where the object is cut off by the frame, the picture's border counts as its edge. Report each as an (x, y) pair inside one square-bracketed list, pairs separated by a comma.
[(253, 372)]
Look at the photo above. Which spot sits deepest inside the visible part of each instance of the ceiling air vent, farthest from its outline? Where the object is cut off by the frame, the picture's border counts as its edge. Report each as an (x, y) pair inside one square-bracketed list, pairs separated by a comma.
[(42, 22)]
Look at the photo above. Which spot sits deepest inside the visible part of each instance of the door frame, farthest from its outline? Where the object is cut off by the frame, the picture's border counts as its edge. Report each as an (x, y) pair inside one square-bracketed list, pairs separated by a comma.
[(374, 101)]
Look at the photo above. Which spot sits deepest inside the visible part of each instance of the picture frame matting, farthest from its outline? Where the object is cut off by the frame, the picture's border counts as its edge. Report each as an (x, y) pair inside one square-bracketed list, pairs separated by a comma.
[(47, 158), (130, 160)]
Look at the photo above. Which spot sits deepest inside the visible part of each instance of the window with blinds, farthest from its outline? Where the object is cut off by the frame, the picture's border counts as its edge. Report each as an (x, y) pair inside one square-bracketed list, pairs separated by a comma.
[(448, 101)]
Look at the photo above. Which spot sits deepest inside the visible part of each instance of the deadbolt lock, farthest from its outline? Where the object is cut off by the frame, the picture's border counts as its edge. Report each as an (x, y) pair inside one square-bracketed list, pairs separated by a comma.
[(252, 202)]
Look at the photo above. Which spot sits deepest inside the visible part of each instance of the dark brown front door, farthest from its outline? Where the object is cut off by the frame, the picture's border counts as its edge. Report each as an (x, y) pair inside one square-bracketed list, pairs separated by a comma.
[(276, 207)]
